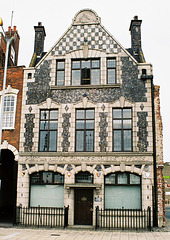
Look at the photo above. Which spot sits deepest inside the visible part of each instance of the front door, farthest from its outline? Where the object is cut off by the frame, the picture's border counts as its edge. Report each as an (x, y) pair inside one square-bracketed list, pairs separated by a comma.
[(83, 206)]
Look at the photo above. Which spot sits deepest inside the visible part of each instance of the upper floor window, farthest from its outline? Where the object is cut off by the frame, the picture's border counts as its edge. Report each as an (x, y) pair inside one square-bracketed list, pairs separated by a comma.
[(48, 130), (122, 129), (111, 71), (60, 73), (9, 111), (85, 130), (86, 72)]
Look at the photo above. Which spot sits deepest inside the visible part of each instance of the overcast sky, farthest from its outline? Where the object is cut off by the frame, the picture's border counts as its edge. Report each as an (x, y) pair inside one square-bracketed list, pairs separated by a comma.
[(56, 16)]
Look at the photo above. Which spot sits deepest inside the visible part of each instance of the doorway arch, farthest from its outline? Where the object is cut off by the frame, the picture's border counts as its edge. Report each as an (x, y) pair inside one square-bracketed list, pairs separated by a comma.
[(8, 186)]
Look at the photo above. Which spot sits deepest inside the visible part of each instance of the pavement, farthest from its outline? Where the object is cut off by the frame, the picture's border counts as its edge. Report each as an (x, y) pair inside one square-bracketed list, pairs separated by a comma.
[(13, 233)]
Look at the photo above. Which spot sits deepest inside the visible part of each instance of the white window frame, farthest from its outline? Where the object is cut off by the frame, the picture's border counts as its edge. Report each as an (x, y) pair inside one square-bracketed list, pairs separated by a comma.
[(10, 92)]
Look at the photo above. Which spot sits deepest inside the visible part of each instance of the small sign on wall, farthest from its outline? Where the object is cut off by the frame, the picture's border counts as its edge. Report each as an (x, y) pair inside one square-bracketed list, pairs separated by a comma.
[(98, 199)]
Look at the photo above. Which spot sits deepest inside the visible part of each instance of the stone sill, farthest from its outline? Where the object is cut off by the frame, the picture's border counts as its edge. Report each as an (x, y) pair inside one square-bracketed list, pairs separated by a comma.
[(84, 87), (84, 154)]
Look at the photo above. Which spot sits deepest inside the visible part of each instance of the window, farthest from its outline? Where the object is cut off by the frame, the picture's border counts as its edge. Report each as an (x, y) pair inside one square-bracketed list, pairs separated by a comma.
[(60, 73), (47, 189), (48, 130), (111, 71), (9, 112), (86, 72), (84, 177), (122, 130), (123, 189), (85, 130)]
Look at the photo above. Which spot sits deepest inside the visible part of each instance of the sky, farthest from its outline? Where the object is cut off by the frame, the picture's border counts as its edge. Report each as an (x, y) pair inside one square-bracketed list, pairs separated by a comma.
[(56, 16)]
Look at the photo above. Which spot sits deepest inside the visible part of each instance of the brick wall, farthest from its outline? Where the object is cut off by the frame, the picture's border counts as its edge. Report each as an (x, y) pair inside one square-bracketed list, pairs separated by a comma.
[(15, 79), (159, 158)]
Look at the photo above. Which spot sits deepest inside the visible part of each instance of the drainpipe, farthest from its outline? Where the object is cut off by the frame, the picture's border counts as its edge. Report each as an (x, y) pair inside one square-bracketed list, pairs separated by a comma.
[(144, 76)]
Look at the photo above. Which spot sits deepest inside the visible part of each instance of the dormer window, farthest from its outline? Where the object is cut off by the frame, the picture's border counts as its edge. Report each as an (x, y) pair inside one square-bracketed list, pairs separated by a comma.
[(86, 72)]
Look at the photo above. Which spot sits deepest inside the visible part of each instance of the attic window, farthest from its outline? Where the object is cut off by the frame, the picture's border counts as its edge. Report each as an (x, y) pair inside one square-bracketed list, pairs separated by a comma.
[(29, 75), (86, 72)]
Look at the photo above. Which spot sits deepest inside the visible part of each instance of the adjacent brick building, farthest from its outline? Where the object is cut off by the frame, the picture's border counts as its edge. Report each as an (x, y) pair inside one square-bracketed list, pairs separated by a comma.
[(10, 126), (91, 130)]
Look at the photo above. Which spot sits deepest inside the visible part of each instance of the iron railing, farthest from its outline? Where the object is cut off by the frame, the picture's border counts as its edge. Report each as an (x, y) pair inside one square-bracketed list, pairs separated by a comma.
[(123, 219), (42, 216)]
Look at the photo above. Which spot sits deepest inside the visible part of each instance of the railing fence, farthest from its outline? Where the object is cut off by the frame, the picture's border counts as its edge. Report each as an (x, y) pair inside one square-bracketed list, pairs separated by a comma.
[(42, 216), (123, 219)]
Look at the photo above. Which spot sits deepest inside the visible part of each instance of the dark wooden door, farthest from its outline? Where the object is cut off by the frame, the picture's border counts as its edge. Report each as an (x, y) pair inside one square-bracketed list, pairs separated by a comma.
[(83, 206)]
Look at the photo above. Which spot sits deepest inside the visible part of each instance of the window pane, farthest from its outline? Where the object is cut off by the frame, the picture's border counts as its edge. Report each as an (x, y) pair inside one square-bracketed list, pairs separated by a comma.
[(43, 141), (90, 114), (111, 63), (75, 64), (60, 65), (85, 76), (127, 140), (76, 77), (84, 177), (47, 196), (117, 124), (110, 179), (111, 76), (58, 178), (89, 141), (80, 124), (54, 114), (95, 63), (127, 113), (122, 178), (117, 140), (85, 64), (127, 124), (53, 124), (60, 78), (43, 125), (95, 76), (117, 113), (53, 141), (79, 141), (44, 115), (128, 197), (47, 177), (90, 124), (134, 179), (80, 114)]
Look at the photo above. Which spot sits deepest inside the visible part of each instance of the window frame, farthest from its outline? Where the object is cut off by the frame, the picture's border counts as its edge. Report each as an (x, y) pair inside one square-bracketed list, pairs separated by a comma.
[(122, 130), (48, 129), (128, 184), (84, 130), (4, 126), (82, 70), (60, 70), (114, 68), (46, 183)]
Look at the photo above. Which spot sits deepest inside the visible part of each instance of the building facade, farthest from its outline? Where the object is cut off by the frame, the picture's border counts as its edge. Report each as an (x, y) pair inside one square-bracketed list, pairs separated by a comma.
[(87, 129), (10, 125)]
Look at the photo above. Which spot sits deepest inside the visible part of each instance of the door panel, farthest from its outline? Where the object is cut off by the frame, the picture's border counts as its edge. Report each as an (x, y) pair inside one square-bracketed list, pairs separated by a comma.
[(83, 206)]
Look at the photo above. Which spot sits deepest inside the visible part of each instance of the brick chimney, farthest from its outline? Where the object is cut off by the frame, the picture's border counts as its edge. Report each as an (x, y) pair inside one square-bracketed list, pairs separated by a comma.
[(14, 47), (135, 30), (39, 39)]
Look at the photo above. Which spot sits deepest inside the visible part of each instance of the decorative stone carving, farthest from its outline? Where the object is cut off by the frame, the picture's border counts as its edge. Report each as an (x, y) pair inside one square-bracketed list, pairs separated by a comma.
[(86, 16), (103, 131), (142, 132), (65, 134), (29, 125)]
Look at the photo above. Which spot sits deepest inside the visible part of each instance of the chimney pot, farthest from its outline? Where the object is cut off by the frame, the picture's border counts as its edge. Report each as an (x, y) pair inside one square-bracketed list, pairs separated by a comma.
[(9, 28), (39, 23), (15, 28), (135, 17)]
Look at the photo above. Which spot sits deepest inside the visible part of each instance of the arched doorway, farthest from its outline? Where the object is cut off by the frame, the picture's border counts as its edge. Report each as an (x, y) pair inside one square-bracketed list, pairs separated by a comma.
[(8, 186)]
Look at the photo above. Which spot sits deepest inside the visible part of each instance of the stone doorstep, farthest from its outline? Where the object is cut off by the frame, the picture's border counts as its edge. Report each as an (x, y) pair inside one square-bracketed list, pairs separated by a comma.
[(80, 227)]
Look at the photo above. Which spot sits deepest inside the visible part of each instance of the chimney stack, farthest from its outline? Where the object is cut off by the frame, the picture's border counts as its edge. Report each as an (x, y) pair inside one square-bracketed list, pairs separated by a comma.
[(39, 39), (135, 30)]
